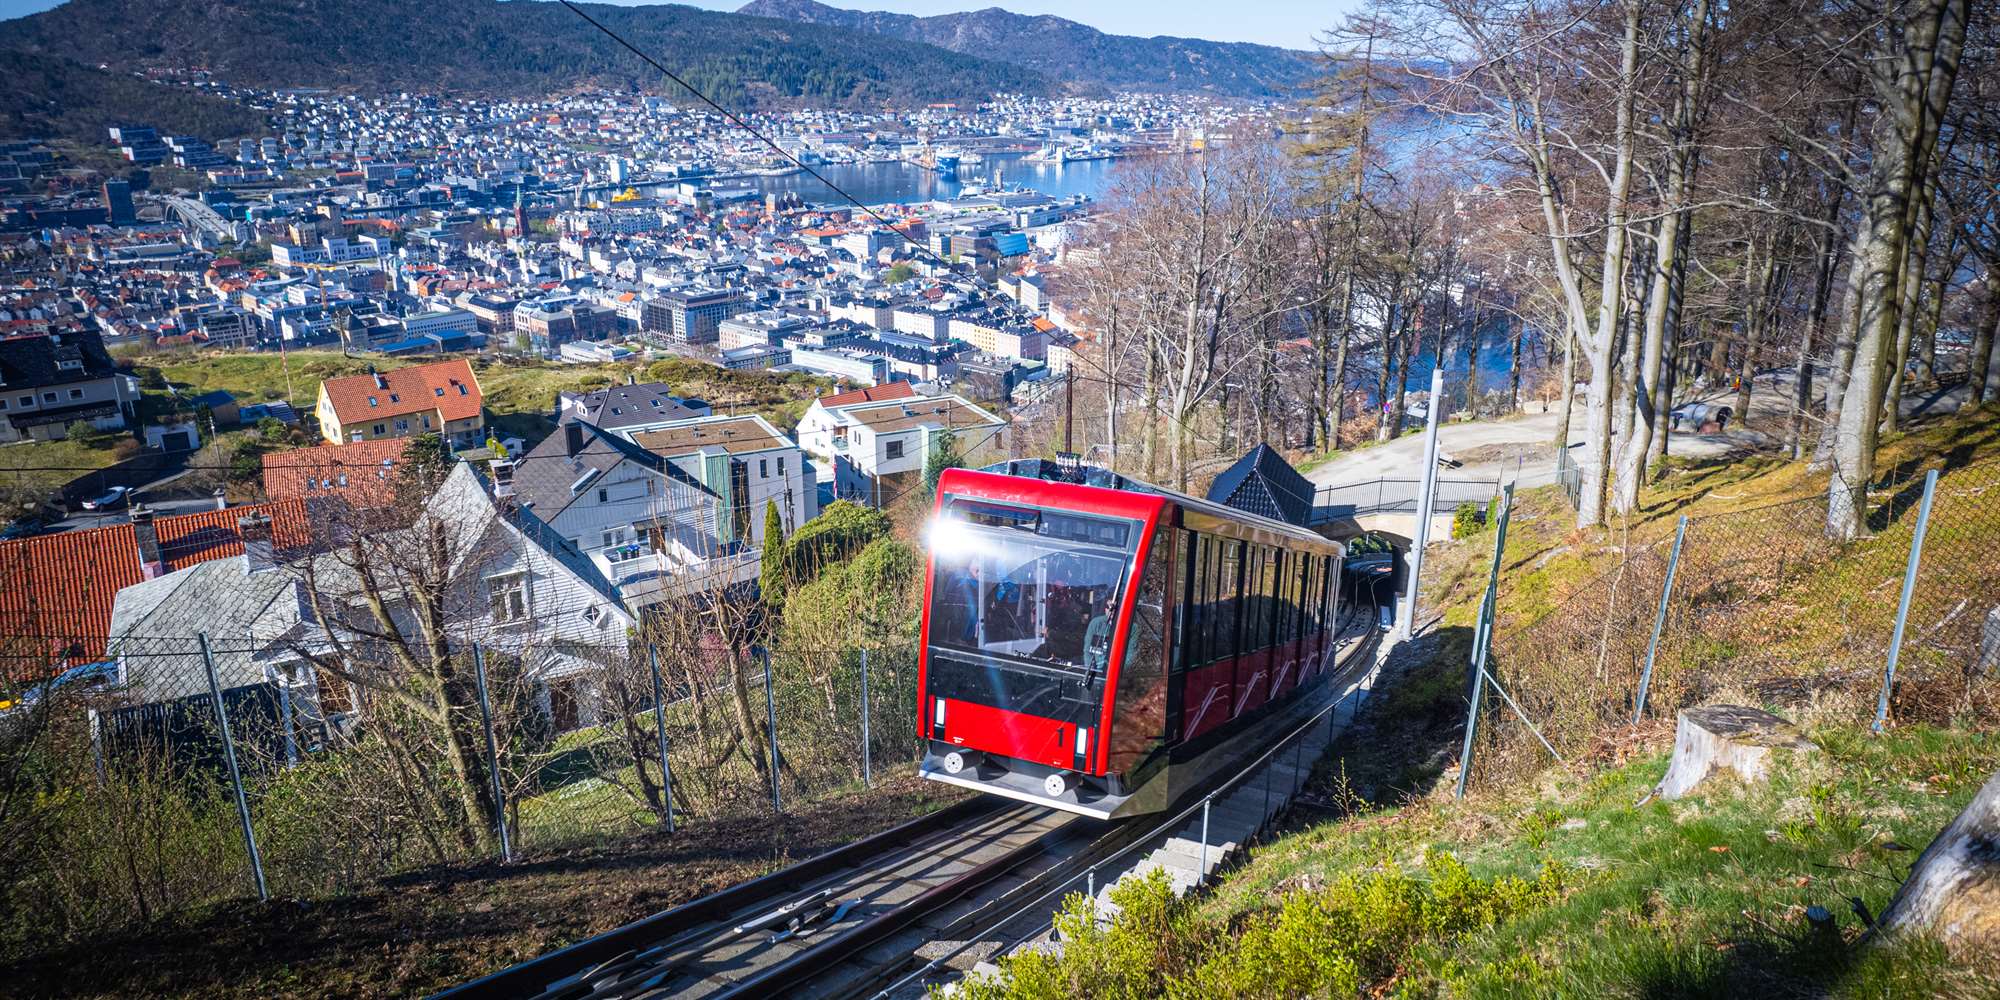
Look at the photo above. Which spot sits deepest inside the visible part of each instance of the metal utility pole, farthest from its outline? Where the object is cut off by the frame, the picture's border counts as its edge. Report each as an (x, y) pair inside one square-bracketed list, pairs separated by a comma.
[(235, 772), (1425, 495), (1069, 412)]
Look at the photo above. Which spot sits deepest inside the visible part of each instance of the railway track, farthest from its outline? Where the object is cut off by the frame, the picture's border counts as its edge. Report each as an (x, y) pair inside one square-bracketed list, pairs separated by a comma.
[(853, 920)]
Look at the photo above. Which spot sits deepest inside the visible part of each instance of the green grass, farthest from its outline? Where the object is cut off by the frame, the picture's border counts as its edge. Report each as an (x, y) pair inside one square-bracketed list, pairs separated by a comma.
[(520, 396), (1567, 890), (39, 468)]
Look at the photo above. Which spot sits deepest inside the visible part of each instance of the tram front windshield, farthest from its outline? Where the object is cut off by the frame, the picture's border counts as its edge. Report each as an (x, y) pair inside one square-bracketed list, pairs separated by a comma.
[(1033, 596)]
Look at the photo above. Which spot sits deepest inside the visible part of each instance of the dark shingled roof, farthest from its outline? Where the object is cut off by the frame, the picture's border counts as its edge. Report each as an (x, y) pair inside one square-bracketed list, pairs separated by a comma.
[(543, 477), (1263, 483)]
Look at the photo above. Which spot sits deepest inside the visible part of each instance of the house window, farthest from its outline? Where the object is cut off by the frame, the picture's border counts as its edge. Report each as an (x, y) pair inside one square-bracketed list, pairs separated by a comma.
[(781, 465), (371, 401), (48, 397), (3, 404), (402, 425), (438, 391), (380, 430), (895, 449), (763, 469), (508, 595), (76, 394), (27, 400), (604, 496)]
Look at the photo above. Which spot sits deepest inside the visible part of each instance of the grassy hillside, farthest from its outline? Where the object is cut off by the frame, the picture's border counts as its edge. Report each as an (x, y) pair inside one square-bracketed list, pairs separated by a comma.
[(520, 396), (49, 96), (1565, 889), (1556, 879)]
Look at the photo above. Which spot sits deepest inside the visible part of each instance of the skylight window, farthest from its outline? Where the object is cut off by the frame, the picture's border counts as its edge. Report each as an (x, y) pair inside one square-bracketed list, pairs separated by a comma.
[(371, 401)]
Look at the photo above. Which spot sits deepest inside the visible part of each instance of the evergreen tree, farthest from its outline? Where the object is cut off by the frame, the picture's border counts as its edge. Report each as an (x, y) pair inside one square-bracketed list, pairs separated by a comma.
[(944, 456), (773, 576)]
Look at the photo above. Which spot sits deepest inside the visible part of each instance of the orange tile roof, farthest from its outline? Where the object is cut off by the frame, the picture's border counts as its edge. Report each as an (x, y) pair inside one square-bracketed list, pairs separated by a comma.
[(348, 470), (448, 387), (1042, 323), (56, 591), (872, 394)]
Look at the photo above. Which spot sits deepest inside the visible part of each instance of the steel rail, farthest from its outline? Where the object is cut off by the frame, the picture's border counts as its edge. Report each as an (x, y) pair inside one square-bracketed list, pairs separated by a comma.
[(1371, 640), (538, 974)]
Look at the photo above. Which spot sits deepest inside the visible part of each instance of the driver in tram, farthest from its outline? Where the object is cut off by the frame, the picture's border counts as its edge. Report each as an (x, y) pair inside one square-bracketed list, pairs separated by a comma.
[(1097, 638)]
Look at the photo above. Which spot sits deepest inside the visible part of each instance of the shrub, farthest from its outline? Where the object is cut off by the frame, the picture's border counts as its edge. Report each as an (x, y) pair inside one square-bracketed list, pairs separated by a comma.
[(1364, 929), (1467, 520)]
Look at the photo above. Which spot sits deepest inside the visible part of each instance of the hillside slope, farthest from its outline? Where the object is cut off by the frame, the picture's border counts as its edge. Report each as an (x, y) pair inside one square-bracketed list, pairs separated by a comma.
[(1567, 879), (506, 48), (1065, 50), (48, 96)]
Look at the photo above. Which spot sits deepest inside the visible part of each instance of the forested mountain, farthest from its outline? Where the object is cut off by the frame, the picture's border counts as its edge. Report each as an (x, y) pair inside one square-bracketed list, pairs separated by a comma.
[(496, 47), (1078, 54), (47, 96)]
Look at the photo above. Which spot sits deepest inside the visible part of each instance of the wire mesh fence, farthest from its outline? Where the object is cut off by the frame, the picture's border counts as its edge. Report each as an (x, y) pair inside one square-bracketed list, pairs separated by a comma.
[(130, 791), (1766, 607)]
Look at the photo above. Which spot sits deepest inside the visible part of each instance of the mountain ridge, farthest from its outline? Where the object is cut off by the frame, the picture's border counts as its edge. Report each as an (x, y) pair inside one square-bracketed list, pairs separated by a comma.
[(1081, 55), (507, 48)]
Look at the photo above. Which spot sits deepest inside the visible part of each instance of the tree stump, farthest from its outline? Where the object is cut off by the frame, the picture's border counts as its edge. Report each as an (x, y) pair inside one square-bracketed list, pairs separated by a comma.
[(1954, 891), (1731, 737)]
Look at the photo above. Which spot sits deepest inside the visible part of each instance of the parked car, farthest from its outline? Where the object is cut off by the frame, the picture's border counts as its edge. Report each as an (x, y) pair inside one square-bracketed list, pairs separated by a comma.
[(109, 501)]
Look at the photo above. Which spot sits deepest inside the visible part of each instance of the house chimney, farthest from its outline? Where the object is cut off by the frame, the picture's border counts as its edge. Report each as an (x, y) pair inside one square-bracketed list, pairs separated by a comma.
[(151, 563), (572, 437), (631, 378), (221, 500), (255, 530), (503, 478)]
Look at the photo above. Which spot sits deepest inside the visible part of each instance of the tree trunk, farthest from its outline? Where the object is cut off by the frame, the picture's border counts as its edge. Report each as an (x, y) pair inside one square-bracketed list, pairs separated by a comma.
[(1904, 139), (1561, 437), (1982, 346)]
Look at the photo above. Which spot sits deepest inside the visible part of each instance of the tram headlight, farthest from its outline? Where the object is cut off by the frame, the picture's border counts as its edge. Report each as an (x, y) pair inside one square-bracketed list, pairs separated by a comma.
[(1082, 742), (937, 714)]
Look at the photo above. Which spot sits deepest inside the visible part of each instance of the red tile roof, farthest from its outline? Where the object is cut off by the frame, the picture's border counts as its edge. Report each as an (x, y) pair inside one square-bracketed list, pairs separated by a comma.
[(872, 394), (445, 386), (355, 471), (56, 591)]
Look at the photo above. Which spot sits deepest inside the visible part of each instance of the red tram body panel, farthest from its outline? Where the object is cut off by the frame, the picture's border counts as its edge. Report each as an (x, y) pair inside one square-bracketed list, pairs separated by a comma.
[(1104, 648)]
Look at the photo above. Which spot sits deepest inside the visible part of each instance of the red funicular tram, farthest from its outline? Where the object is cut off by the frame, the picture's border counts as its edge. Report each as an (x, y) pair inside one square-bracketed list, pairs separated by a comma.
[(1105, 646)]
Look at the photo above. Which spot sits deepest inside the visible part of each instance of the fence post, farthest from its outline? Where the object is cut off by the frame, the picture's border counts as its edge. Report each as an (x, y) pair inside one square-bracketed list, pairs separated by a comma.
[(771, 723), (660, 733), (1660, 620), (867, 776), (1426, 498), (1201, 872), (235, 773), (492, 753), (1482, 637), (1903, 606)]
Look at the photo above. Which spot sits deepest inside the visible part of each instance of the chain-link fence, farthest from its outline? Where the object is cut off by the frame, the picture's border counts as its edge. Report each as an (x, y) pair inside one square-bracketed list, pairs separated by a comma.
[(1764, 606), (178, 771)]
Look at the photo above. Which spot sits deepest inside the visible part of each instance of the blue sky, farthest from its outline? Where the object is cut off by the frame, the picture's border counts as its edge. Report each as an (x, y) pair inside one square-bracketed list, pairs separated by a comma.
[(1290, 23)]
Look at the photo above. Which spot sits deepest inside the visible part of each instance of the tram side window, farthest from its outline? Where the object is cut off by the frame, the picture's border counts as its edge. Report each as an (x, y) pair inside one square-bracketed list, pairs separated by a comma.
[(1301, 605), (1228, 598), (1142, 694), (1281, 568), (1314, 621)]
